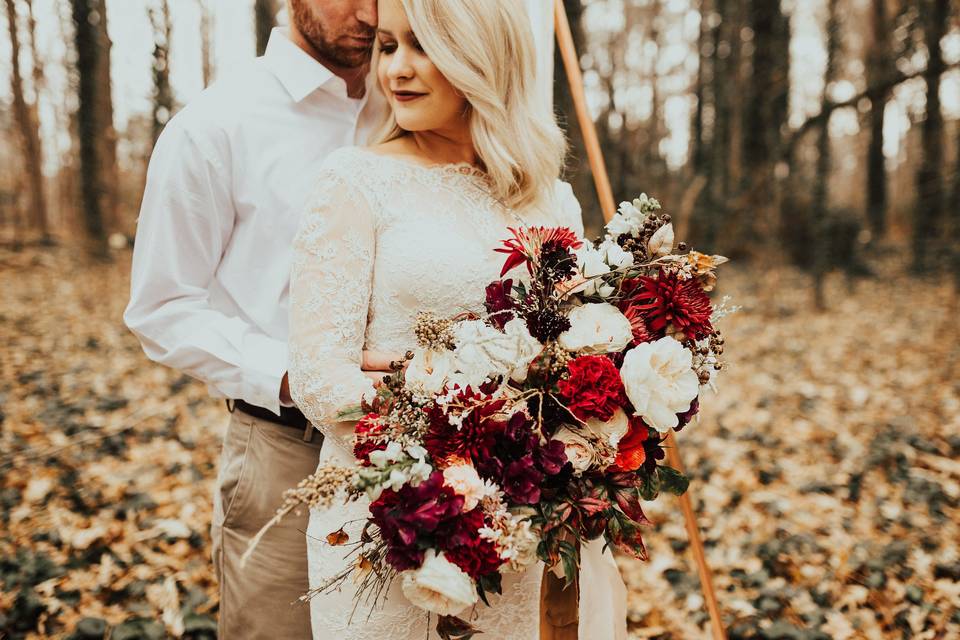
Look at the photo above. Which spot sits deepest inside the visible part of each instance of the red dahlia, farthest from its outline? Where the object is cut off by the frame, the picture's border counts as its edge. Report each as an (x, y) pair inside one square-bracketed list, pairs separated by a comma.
[(594, 388), (528, 244), (477, 559), (668, 300)]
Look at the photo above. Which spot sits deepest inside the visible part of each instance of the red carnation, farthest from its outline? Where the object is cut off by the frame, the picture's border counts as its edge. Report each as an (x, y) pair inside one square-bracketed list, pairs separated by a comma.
[(474, 438), (477, 559), (668, 300), (365, 439), (529, 243), (594, 388)]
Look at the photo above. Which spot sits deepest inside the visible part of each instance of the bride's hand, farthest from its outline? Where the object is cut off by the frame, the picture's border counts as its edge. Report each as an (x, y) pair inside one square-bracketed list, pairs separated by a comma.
[(376, 364)]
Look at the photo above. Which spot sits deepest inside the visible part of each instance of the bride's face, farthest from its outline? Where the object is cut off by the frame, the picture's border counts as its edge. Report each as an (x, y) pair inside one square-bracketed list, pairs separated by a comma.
[(421, 97)]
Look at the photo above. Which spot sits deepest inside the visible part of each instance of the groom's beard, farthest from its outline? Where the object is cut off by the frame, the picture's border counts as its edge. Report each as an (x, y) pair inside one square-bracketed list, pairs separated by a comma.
[(325, 40)]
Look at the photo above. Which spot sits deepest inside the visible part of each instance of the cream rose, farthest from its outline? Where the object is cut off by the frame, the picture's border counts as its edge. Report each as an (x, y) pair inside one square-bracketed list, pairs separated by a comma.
[(613, 429), (596, 328), (429, 370), (579, 451), (482, 351), (465, 481), (439, 586), (660, 381)]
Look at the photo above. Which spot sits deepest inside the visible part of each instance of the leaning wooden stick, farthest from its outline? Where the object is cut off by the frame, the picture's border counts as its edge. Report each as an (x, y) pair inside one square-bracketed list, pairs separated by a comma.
[(607, 203)]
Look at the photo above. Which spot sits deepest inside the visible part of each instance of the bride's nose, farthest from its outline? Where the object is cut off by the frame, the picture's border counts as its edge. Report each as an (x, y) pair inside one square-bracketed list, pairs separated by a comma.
[(400, 65)]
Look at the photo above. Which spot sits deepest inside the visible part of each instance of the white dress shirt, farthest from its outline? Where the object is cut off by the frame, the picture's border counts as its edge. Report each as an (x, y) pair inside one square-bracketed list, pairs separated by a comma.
[(227, 183)]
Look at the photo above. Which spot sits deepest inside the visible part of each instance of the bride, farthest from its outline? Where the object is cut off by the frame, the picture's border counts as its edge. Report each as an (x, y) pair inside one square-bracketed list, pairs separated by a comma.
[(410, 225)]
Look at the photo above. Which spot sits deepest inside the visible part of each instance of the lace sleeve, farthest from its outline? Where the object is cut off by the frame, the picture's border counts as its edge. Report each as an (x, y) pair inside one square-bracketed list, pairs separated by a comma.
[(330, 285), (571, 215)]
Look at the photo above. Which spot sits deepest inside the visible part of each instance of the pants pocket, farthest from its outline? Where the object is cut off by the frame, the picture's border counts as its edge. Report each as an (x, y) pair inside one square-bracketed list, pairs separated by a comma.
[(234, 469)]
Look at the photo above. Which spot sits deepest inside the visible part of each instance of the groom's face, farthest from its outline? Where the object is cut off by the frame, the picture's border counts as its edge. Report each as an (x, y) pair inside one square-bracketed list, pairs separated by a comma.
[(341, 31)]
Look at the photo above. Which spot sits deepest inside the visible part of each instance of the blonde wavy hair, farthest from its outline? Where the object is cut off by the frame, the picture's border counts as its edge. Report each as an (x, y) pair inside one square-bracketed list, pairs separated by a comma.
[(485, 49)]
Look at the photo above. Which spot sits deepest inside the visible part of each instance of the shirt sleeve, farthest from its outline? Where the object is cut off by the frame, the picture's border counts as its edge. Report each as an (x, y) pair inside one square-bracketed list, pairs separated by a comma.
[(330, 287), (185, 224)]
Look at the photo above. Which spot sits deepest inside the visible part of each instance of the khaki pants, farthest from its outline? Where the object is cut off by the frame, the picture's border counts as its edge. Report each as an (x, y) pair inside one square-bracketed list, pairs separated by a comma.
[(260, 460)]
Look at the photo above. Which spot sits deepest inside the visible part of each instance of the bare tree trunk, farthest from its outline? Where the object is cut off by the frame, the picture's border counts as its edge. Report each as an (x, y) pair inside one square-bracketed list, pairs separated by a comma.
[(104, 113), (94, 192), (765, 115), (821, 195), (930, 192), (163, 101), (699, 153), (29, 130), (954, 209), (878, 68), (206, 37), (265, 19)]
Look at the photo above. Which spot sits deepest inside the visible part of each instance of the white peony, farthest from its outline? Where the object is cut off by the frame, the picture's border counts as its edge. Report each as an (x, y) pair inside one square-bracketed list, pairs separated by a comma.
[(579, 451), (613, 430), (429, 370), (439, 586), (660, 381), (596, 328), (465, 481), (484, 352)]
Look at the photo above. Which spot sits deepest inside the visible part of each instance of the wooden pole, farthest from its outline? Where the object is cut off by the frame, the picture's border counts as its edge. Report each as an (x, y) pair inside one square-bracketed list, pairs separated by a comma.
[(602, 181)]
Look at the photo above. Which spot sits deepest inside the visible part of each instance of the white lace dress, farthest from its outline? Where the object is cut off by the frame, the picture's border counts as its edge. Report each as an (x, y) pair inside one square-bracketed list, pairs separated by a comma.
[(383, 239)]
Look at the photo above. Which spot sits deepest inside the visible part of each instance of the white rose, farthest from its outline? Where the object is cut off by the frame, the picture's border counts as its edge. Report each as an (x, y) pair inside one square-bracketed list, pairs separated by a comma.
[(613, 430), (439, 586), (465, 481), (596, 328), (579, 452), (660, 381), (429, 370)]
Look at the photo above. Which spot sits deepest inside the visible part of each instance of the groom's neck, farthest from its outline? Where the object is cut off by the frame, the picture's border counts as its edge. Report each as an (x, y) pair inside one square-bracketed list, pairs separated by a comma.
[(355, 77)]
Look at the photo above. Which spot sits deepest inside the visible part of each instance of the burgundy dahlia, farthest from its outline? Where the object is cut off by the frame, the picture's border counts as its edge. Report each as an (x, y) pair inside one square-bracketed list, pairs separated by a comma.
[(407, 516), (667, 300), (594, 388), (521, 481), (474, 438)]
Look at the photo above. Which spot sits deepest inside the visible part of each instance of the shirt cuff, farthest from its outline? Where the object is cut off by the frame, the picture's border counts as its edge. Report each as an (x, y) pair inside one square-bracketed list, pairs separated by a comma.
[(265, 362)]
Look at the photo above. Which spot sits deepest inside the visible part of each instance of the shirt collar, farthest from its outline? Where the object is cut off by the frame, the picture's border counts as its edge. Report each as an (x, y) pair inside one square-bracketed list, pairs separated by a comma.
[(299, 73)]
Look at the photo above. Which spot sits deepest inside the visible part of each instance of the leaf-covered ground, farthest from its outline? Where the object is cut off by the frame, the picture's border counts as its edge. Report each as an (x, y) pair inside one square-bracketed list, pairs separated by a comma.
[(826, 472)]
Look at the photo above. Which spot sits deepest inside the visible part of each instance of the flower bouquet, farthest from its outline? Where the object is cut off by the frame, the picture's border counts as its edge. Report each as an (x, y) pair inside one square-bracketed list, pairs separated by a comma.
[(510, 438)]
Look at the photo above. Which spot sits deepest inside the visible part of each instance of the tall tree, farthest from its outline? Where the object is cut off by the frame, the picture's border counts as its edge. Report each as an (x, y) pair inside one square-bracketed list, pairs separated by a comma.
[(108, 134), (765, 116), (28, 127), (879, 66), (92, 123), (264, 19), (163, 100), (954, 209), (930, 192), (821, 195)]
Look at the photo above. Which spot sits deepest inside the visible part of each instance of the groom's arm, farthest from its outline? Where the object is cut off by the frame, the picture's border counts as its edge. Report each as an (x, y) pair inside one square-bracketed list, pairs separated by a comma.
[(186, 220)]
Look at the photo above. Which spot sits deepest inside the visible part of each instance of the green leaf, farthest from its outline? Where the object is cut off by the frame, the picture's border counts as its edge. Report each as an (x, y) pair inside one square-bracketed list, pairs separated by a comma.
[(650, 486), (351, 413), (672, 480)]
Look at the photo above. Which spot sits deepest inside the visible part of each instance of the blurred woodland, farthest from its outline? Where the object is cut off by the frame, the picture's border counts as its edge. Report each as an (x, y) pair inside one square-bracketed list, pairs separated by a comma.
[(815, 143)]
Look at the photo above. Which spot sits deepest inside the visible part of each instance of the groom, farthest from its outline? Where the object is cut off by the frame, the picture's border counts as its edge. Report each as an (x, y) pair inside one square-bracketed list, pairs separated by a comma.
[(208, 295)]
